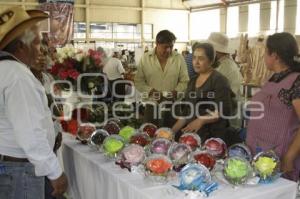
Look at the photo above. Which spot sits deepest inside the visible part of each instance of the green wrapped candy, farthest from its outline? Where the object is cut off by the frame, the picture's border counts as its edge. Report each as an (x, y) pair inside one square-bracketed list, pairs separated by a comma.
[(127, 132), (113, 145), (237, 169), (265, 165)]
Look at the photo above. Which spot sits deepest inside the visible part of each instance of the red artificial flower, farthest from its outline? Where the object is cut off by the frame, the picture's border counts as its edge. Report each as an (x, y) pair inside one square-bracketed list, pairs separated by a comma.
[(64, 125), (69, 64), (55, 68), (72, 73), (63, 74), (90, 52), (95, 56), (82, 112), (70, 126), (73, 127)]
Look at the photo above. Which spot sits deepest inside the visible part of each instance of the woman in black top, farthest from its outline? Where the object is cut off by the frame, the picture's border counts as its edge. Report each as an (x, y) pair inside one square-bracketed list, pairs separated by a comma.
[(210, 94)]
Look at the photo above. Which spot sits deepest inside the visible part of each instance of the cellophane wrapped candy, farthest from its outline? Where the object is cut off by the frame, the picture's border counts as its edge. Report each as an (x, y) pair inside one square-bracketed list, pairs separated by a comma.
[(216, 147), (237, 170), (148, 128), (97, 138), (240, 150), (85, 130), (112, 145), (191, 139), (196, 177), (166, 133), (179, 154), (204, 158), (141, 139), (267, 166), (160, 146), (127, 132), (158, 168), (131, 155), (112, 126)]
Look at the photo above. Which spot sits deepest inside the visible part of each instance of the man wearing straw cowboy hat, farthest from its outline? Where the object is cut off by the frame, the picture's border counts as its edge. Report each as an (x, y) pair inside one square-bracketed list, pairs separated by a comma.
[(225, 64), (26, 128), (227, 67)]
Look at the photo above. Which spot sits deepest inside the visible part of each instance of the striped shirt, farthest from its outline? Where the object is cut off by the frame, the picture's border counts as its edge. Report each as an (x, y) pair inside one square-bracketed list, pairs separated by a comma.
[(189, 63)]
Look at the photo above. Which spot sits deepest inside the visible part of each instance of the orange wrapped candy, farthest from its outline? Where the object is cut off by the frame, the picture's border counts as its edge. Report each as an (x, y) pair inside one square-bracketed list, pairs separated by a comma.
[(164, 133), (158, 166)]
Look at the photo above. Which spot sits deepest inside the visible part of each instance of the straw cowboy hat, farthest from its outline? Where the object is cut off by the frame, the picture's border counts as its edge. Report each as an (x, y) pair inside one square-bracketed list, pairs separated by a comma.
[(220, 42), (14, 21)]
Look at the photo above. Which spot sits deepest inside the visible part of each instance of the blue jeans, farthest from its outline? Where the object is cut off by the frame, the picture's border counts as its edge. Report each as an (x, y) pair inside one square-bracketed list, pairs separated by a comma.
[(18, 181)]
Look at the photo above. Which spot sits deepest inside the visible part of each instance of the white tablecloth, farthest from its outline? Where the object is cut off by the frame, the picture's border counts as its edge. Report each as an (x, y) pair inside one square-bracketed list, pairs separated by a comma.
[(92, 176)]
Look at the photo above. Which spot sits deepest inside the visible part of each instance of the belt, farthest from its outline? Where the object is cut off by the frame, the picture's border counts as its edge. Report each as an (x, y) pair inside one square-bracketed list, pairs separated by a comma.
[(6, 158)]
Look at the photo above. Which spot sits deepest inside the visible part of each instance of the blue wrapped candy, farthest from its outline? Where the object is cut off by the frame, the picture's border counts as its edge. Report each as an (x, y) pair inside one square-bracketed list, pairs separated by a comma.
[(240, 150), (196, 177)]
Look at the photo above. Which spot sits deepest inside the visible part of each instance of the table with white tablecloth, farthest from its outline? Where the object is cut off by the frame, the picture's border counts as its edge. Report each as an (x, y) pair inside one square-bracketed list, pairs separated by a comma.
[(92, 176)]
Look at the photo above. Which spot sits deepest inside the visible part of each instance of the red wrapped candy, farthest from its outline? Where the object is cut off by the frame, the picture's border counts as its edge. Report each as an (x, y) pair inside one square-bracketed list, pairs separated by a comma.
[(85, 131), (141, 139), (112, 127), (206, 159), (216, 147), (149, 128), (191, 139)]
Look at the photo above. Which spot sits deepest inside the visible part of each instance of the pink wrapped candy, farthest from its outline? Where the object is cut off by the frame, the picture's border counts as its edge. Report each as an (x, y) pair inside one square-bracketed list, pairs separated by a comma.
[(160, 146), (216, 147), (131, 155), (179, 154)]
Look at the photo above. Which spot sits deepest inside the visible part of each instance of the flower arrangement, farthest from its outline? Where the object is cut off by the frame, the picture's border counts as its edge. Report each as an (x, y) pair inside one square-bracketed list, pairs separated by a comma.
[(72, 62), (69, 60)]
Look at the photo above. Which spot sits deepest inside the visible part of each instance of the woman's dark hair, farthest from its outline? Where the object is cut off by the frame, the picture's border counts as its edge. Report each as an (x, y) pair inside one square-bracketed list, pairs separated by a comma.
[(285, 46), (165, 37), (208, 49)]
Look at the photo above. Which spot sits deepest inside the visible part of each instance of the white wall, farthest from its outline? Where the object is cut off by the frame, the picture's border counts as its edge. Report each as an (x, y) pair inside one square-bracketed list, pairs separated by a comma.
[(175, 21)]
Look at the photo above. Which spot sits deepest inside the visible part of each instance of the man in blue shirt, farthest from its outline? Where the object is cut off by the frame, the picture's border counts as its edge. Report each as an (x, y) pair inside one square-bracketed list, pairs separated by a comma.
[(189, 63)]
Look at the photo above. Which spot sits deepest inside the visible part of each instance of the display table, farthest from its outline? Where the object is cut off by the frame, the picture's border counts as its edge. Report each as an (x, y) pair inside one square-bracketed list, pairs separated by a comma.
[(92, 176)]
